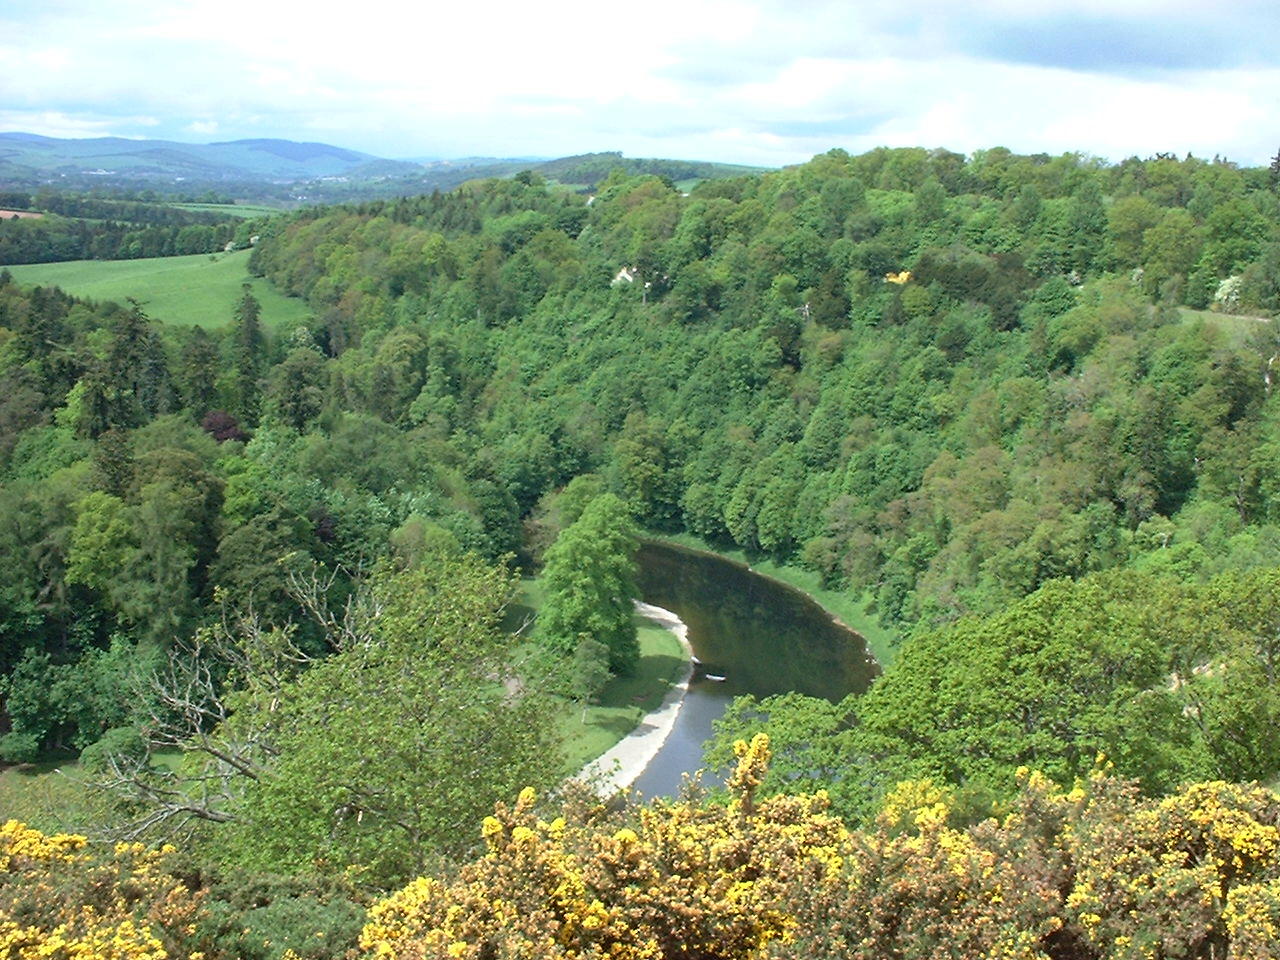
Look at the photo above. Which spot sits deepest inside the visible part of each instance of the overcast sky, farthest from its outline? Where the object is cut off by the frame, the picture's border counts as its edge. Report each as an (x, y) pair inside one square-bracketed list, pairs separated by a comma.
[(751, 81)]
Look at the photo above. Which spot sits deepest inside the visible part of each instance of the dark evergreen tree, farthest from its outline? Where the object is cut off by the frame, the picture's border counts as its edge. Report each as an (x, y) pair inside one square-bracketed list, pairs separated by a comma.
[(199, 372), (248, 358)]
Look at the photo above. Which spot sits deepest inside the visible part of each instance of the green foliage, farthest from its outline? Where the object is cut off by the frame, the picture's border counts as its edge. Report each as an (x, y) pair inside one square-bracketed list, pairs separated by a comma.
[(810, 739), (70, 705), (259, 917), (1021, 403), (589, 580), (123, 744), (436, 718), (1170, 681), (19, 747)]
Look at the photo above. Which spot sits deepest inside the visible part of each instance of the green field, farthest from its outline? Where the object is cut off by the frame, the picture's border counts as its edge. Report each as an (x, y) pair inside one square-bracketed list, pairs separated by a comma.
[(625, 700), (49, 795), (56, 795), (200, 289), (245, 210), (1239, 328)]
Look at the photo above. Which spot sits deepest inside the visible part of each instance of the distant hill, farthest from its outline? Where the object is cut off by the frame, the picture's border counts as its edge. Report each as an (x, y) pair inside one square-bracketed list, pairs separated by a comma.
[(234, 160), (287, 172), (588, 169)]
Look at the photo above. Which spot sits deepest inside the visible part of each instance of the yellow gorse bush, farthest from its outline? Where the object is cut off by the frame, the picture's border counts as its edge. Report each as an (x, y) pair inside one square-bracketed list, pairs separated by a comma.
[(680, 880), (1094, 871), (61, 900)]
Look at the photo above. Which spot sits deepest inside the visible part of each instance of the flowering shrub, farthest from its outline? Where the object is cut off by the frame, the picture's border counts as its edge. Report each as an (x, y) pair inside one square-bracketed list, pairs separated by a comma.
[(1192, 874), (1083, 874), (1096, 872), (61, 901), (679, 880)]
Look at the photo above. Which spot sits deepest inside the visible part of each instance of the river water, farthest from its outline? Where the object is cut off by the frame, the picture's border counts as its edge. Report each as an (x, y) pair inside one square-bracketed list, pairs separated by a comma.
[(763, 637)]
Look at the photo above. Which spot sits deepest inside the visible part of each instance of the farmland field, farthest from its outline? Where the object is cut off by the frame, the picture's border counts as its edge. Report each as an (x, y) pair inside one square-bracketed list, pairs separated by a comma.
[(200, 289), (244, 210)]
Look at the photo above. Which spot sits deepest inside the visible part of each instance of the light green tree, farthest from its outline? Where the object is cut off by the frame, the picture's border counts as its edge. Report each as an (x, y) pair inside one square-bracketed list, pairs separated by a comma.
[(589, 580), (420, 721), (363, 761)]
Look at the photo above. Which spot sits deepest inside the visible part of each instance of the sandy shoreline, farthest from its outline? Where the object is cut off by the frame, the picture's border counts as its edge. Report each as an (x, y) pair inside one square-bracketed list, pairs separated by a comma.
[(621, 765)]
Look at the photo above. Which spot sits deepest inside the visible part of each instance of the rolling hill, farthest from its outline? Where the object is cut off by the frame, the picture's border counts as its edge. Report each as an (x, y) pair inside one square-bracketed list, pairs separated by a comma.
[(231, 160), (288, 172)]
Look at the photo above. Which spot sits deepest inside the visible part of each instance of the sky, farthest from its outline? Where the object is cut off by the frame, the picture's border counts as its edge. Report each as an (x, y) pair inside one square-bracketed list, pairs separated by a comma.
[(746, 81)]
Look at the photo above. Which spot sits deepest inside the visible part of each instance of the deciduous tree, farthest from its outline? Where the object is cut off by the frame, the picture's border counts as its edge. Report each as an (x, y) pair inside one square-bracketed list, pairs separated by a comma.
[(589, 580)]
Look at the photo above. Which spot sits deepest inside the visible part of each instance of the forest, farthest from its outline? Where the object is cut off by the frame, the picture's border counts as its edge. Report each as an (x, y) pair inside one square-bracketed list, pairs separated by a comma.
[(1018, 407), (87, 227)]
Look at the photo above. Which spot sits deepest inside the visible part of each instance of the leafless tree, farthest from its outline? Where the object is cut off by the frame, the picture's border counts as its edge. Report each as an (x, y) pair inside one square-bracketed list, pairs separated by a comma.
[(214, 699)]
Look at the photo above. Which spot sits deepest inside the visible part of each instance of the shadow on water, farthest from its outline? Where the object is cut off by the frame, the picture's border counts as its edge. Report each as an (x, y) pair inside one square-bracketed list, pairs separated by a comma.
[(762, 636)]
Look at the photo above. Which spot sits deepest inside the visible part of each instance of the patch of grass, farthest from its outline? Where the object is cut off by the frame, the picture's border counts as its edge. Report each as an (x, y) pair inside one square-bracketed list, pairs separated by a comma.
[(201, 289), (624, 700), (1239, 327), (850, 609), (50, 796), (243, 210)]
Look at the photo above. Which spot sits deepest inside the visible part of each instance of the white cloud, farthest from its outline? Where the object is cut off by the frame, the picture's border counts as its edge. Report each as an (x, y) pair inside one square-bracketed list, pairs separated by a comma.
[(54, 123), (762, 81)]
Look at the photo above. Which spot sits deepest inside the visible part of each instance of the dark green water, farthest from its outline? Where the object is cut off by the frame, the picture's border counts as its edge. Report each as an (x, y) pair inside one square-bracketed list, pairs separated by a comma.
[(762, 636)]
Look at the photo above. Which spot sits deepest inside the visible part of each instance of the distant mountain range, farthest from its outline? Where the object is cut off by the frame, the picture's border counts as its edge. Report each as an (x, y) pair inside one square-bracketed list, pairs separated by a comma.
[(287, 170), (144, 159)]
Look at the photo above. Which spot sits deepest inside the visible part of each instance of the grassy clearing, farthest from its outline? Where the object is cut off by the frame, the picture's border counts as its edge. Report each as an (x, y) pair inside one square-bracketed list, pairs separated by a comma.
[(201, 289), (53, 796), (244, 210), (1238, 327), (50, 796), (624, 700), (850, 609)]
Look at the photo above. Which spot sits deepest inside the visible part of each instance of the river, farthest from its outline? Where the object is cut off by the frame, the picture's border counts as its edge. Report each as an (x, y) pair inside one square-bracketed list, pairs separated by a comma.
[(763, 637)]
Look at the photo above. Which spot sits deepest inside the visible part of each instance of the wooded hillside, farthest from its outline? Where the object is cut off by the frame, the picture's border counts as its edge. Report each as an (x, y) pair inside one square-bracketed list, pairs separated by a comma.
[(1021, 407)]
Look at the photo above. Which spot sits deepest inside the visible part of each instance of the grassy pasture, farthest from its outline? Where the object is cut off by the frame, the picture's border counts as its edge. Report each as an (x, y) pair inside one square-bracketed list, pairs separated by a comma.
[(244, 210), (200, 289)]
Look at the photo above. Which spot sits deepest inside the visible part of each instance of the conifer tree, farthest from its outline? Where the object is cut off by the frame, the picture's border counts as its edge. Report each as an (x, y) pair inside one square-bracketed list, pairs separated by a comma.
[(248, 346)]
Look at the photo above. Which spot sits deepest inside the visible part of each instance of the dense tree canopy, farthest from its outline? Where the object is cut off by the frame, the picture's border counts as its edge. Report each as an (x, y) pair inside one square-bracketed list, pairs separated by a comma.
[(1167, 680)]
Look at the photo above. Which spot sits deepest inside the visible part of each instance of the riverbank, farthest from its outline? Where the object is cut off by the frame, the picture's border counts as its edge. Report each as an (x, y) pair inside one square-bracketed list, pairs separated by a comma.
[(845, 609), (624, 702), (621, 765)]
